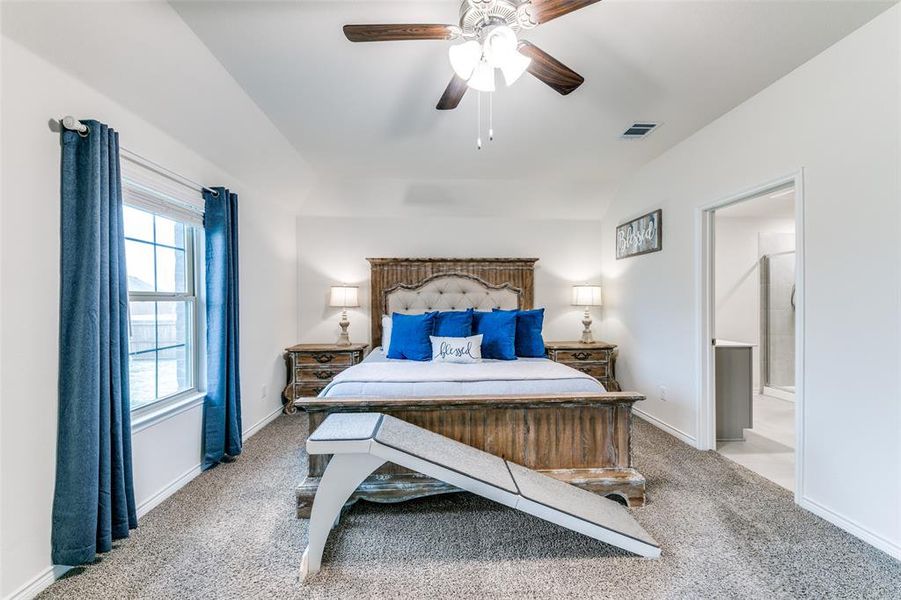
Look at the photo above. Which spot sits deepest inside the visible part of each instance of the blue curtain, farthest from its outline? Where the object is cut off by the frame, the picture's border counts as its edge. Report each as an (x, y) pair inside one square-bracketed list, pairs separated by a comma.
[(222, 406), (93, 502)]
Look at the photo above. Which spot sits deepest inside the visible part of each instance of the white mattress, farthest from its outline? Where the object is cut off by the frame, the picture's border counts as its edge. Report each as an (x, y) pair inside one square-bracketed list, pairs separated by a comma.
[(378, 377)]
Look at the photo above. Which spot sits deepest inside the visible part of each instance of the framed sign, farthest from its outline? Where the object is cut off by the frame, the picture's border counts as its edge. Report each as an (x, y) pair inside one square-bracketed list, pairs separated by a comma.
[(640, 236)]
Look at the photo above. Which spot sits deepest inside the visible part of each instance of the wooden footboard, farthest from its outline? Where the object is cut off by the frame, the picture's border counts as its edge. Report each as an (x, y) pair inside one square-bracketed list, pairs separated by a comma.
[(583, 439)]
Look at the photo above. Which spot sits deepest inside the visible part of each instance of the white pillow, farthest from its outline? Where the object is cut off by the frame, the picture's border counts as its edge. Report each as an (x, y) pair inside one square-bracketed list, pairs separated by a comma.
[(386, 333), (457, 349)]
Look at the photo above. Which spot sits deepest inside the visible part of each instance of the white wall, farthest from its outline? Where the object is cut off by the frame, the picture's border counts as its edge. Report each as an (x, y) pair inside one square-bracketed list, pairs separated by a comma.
[(524, 198), (737, 278), (837, 118), (36, 90), (334, 250)]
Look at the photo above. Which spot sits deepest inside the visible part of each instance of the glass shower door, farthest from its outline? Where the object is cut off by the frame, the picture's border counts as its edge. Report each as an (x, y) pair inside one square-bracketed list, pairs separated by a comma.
[(777, 320)]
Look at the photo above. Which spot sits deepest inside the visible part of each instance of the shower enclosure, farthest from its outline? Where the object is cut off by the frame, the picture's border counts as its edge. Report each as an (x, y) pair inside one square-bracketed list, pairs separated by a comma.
[(777, 321)]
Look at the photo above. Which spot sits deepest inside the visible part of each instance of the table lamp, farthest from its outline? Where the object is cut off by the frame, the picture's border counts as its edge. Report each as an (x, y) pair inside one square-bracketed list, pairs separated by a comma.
[(587, 296), (344, 296)]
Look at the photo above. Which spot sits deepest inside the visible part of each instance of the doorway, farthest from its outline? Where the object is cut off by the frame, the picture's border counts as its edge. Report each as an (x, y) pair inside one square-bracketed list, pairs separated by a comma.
[(751, 251)]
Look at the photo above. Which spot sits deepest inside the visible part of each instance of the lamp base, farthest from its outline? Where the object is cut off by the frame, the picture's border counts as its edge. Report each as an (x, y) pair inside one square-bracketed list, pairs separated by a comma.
[(343, 337), (587, 338)]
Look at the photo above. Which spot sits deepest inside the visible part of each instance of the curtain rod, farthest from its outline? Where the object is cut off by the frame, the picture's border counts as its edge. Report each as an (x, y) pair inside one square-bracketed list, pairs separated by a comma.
[(73, 124)]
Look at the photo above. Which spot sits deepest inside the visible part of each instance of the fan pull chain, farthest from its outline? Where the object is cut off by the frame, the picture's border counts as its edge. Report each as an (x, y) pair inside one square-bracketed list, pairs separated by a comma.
[(491, 117), (479, 122)]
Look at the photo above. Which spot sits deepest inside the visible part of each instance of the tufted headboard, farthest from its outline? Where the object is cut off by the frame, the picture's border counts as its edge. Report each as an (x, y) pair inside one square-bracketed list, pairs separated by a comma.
[(416, 285)]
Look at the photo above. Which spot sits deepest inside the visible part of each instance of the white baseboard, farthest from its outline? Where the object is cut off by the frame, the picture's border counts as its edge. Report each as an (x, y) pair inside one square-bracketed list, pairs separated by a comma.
[(46, 577), (37, 585), (179, 482), (877, 541), (52, 573), (262, 423), (673, 431), (182, 480)]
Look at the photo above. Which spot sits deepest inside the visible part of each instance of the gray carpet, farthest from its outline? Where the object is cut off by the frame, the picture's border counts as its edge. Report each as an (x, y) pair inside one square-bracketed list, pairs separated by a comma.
[(725, 533)]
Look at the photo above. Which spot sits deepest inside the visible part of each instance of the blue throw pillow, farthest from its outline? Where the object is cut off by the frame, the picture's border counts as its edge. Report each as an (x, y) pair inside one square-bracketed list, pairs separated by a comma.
[(498, 331), (529, 342), (410, 336), (454, 324)]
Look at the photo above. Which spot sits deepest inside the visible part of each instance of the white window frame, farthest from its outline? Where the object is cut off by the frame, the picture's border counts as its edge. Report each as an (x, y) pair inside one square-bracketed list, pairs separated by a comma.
[(146, 415)]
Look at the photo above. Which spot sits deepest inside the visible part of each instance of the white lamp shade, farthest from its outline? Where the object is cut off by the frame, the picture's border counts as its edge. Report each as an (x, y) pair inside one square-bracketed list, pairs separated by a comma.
[(482, 78), (464, 58), (587, 295), (344, 296), (514, 66)]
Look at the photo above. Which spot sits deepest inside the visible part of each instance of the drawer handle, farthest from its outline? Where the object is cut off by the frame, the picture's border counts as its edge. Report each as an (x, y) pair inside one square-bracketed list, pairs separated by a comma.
[(586, 370), (323, 374), (323, 358), (581, 355)]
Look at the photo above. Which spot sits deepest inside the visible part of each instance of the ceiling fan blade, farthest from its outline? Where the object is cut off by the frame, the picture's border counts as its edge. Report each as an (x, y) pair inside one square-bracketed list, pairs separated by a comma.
[(543, 11), (453, 94), (550, 70), (398, 32)]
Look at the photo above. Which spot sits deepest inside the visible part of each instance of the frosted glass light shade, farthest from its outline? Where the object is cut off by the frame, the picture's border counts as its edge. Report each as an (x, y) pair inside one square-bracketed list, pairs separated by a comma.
[(587, 295), (344, 296), (514, 66), (499, 45), (482, 78), (464, 58)]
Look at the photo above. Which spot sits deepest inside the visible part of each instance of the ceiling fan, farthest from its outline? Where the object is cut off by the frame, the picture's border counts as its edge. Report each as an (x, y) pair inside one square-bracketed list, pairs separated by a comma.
[(488, 28)]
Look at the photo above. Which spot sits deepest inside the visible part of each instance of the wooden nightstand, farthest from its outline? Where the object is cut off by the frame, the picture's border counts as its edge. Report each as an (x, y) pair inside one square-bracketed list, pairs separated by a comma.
[(597, 359), (312, 366)]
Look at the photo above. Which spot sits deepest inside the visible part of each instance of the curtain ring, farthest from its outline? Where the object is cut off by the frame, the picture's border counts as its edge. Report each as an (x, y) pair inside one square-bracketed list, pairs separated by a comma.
[(85, 133)]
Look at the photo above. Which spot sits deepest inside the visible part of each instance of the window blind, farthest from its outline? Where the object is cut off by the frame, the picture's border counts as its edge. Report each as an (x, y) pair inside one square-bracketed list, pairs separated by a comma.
[(156, 192)]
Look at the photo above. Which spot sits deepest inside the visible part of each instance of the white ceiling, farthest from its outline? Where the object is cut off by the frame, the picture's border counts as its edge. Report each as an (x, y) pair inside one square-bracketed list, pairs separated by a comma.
[(367, 110), (143, 57)]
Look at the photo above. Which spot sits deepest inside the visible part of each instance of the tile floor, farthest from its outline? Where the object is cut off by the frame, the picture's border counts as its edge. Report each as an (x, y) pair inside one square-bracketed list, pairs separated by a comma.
[(769, 448)]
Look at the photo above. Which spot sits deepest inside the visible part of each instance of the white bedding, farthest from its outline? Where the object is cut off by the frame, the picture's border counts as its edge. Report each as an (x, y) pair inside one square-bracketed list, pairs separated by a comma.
[(378, 376)]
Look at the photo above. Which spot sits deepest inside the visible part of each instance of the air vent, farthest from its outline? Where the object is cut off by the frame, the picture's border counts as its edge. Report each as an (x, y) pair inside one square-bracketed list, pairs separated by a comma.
[(639, 130)]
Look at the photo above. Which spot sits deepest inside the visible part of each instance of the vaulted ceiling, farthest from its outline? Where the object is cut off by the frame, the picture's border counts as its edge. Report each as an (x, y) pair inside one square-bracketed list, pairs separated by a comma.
[(368, 110)]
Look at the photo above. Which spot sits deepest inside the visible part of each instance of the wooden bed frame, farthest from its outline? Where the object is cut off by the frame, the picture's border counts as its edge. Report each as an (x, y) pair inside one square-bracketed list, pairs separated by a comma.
[(584, 439)]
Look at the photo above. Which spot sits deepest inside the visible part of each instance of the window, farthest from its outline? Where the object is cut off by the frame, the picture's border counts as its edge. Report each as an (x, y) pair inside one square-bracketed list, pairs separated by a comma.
[(162, 303)]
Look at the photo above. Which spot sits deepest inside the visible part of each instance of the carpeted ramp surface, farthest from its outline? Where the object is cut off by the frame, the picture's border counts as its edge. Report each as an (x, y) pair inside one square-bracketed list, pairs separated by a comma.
[(725, 533)]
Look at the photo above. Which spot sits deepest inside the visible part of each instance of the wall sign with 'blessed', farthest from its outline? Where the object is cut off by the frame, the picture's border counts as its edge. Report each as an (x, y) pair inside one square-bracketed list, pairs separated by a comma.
[(640, 236)]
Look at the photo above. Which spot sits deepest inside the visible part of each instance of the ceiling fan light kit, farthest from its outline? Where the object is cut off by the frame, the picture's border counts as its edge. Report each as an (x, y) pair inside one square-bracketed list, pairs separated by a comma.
[(514, 67), (499, 50), (482, 79), (489, 28), (464, 58)]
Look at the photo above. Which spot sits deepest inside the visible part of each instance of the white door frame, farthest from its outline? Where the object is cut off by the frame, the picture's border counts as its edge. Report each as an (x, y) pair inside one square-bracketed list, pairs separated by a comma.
[(705, 302)]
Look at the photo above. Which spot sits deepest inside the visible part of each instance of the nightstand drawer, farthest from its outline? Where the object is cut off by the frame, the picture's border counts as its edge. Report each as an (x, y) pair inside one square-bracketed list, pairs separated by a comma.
[(302, 390), (325, 358), (316, 374), (596, 370), (574, 356)]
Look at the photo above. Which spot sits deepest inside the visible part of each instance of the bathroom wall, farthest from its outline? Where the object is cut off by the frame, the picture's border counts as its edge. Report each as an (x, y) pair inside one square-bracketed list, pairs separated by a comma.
[(740, 242)]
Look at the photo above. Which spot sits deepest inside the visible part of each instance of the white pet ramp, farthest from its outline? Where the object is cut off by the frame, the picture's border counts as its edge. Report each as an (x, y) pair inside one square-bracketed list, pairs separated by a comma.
[(361, 442)]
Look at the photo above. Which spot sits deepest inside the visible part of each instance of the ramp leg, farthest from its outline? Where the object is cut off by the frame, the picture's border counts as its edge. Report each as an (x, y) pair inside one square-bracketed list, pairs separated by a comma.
[(344, 474)]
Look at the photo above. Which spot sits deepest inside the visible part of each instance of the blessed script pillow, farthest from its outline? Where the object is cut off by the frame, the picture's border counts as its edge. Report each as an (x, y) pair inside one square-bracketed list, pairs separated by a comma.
[(457, 349)]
